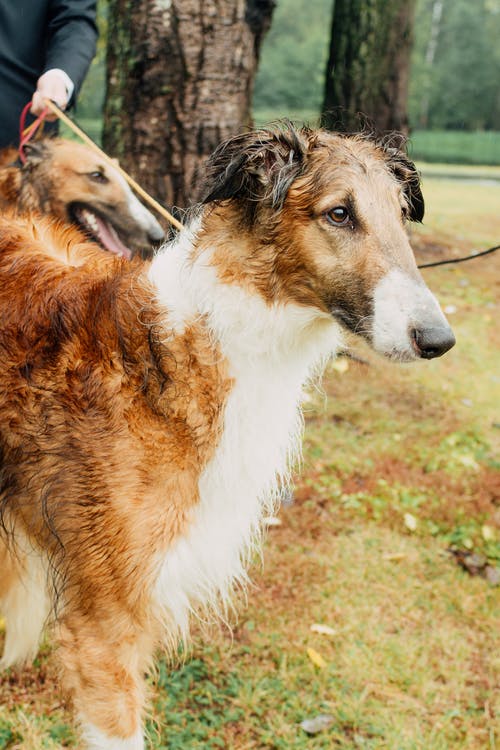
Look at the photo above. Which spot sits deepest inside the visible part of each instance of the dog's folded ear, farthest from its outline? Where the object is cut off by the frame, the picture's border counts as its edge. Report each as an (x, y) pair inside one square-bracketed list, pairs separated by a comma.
[(258, 166), (406, 172), (36, 152)]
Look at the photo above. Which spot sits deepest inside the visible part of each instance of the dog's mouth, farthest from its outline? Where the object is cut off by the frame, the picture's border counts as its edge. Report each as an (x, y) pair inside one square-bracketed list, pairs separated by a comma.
[(100, 230)]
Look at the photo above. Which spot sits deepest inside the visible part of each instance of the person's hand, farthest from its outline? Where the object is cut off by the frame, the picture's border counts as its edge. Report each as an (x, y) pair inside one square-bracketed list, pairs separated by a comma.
[(51, 85)]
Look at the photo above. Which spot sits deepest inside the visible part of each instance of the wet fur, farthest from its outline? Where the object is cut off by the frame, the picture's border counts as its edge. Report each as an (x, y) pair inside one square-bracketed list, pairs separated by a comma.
[(151, 413)]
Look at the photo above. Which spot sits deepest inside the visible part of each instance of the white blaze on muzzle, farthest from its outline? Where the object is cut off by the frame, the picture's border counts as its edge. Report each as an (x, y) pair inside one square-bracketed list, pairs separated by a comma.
[(144, 218), (407, 320)]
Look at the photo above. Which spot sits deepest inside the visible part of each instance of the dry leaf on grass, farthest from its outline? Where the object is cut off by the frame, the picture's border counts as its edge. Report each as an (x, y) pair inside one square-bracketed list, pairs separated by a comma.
[(316, 658), (317, 627), (317, 724), (488, 533), (411, 522), (395, 556)]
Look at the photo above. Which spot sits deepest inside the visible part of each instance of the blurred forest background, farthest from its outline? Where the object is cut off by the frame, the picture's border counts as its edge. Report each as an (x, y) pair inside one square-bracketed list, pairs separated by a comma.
[(454, 91)]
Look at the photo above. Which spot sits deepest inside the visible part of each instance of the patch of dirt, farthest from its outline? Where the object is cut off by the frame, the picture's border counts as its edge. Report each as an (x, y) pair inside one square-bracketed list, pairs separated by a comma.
[(34, 686)]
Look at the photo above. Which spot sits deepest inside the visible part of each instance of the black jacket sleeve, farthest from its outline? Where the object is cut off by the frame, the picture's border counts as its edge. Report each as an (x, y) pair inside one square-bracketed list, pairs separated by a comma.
[(71, 38)]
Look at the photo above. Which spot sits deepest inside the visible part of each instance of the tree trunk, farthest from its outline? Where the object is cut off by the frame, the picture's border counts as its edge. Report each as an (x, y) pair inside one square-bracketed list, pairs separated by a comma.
[(180, 79), (368, 65)]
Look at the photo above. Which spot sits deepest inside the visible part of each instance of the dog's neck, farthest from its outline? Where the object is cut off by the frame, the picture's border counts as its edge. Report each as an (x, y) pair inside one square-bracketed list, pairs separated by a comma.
[(207, 273)]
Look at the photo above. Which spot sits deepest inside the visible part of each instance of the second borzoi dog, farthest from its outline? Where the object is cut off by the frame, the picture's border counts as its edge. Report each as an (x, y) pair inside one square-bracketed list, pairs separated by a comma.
[(70, 182), (149, 414)]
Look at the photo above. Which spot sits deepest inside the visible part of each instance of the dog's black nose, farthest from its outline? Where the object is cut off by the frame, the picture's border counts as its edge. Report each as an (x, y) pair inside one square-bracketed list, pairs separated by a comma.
[(432, 342)]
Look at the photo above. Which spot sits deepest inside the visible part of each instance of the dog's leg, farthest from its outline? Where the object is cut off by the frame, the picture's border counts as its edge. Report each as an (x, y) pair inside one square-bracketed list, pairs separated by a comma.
[(24, 602), (104, 657)]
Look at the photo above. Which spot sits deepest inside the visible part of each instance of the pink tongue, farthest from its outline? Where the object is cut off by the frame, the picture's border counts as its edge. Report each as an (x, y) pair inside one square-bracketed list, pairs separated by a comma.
[(110, 239)]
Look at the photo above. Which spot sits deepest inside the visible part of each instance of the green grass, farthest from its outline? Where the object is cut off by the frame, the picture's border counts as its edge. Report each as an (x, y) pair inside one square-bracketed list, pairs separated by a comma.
[(412, 662), (477, 172), (441, 146), (455, 147)]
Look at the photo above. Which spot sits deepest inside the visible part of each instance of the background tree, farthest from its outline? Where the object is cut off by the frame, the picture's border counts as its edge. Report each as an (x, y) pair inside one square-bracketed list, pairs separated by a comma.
[(368, 64), (455, 82), (183, 72), (292, 68)]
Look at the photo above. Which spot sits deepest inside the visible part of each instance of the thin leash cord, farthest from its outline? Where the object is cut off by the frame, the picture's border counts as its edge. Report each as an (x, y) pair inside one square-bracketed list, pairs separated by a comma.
[(28, 133), (472, 256), (50, 105)]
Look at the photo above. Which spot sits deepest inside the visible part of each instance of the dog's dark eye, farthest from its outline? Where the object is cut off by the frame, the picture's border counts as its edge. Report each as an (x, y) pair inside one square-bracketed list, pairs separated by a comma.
[(338, 216), (98, 177)]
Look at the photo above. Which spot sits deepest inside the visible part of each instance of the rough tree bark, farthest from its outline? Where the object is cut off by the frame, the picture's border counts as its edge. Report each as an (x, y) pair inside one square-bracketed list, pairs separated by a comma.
[(180, 79), (368, 65)]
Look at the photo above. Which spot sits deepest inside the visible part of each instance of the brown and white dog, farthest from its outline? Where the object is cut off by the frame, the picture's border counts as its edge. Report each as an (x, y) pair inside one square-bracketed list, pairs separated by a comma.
[(70, 182), (149, 412)]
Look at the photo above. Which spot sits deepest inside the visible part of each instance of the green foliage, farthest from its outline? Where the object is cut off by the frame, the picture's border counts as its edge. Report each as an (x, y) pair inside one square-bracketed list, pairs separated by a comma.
[(293, 61), (459, 87), (455, 147), (91, 97), (457, 91), (7, 736), (63, 734), (192, 706)]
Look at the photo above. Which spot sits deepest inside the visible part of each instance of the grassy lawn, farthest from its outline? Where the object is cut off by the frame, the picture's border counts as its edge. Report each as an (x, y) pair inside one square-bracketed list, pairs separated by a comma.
[(480, 172), (401, 463), (456, 146)]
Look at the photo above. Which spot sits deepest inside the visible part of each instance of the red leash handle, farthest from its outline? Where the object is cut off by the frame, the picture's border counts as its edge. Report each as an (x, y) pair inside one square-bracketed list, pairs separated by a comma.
[(25, 135)]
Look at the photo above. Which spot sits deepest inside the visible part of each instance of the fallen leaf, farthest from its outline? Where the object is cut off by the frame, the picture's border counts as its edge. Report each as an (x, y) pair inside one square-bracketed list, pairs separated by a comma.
[(316, 658), (2, 624), (411, 522), (318, 724), (467, 460), (394, 556), (323, 629), (488, 533)]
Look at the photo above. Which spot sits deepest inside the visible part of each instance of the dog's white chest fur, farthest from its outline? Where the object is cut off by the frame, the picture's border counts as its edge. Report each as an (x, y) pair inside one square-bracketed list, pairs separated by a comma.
[(271, 353)]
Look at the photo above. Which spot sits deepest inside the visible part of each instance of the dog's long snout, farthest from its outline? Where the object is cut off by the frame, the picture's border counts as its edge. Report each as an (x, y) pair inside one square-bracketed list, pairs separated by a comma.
[(432, 342), (407, 320)]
